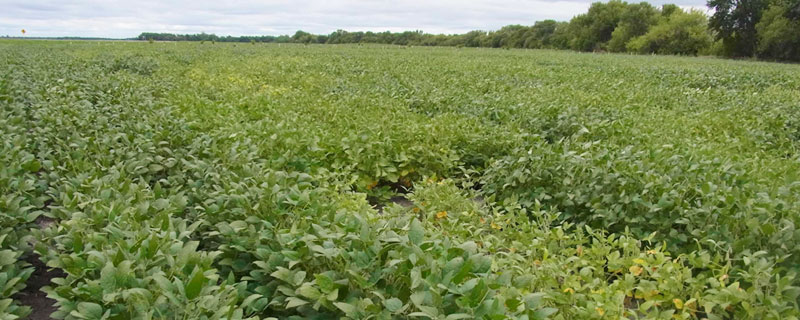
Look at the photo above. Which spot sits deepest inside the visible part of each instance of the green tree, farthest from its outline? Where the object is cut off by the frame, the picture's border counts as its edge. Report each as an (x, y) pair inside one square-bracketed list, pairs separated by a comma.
[(779, 32), (511, 36), (682, 33), (668, 9), (561, 37), (635, 21), (473, 38), (540, 35), (592, 30), (734, 22), (304, 37)]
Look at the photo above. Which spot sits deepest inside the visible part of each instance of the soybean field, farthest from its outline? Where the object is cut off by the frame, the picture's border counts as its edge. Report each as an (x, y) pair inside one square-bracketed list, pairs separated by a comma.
[(285, 181)]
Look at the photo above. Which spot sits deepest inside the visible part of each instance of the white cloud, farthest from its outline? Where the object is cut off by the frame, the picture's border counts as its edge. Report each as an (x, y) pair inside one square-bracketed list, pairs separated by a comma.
[(119, 19)]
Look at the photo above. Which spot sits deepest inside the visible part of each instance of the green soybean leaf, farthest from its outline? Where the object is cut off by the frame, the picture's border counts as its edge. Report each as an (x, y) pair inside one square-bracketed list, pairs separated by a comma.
[(416, 233), (294, 302), (325, 283), (347, 308), (90, 310), (393, 304), (196, 284)]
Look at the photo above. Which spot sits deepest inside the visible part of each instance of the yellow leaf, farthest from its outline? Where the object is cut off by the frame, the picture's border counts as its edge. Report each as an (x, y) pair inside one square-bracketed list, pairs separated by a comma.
[(691, 304), (441, 215), (678, 303), (600, 311), (569, 290), (636, 270), (639, 261)]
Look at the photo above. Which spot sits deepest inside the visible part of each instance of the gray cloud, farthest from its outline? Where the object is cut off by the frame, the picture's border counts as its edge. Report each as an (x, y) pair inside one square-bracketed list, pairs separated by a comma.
[(120, 19)]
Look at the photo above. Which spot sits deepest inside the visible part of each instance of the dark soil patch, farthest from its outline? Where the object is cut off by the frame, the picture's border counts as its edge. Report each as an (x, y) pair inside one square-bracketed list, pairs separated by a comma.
[(44, 222), (405, 203), (402, 201), (396, 199), (397, 187), (32, 296)]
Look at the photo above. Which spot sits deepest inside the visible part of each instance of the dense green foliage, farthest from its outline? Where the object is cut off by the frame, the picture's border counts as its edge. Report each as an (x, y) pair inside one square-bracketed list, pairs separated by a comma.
[(679, 33), (768, 29), (20, 190), (735, 23), (226, 182), (779, 31)]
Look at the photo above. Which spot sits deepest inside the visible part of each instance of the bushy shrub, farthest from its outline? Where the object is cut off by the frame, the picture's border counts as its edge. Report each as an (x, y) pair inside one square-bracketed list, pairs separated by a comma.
[(681, 33)]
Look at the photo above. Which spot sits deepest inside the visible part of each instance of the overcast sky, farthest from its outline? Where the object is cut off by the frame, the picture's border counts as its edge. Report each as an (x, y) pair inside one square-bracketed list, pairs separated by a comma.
[(123, 19)]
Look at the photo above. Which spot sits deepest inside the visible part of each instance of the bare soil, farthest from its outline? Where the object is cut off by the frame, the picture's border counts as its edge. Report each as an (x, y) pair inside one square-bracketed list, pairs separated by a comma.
[(32, 296)]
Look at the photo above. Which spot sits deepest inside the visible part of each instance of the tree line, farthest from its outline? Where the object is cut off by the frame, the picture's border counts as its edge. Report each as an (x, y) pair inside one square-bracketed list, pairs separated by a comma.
[(211, 37), (766, 29)]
